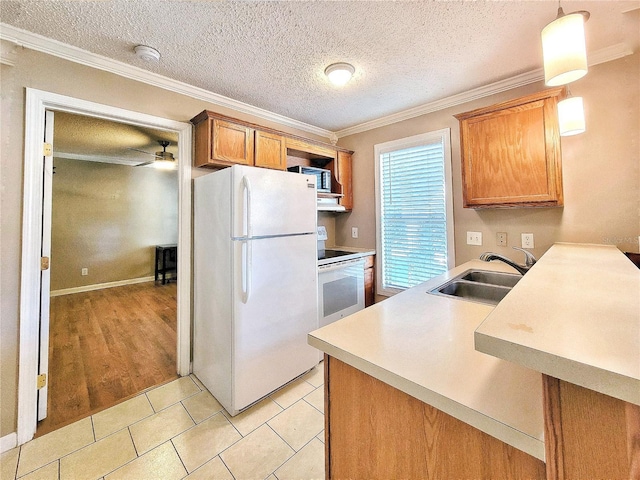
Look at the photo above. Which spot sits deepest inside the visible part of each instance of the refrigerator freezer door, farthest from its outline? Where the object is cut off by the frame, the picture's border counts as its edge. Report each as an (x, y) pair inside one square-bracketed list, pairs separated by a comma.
[(275, 307), (271, 202)]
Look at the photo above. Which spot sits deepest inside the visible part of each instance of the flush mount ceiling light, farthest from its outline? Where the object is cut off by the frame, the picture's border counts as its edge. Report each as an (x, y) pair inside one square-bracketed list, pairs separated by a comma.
[(339, 73), (146, 53), (571, 116), (563, 48)]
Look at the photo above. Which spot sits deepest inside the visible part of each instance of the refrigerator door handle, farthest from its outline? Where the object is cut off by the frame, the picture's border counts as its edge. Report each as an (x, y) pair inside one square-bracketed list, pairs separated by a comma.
[(247, 191), (246, 271)]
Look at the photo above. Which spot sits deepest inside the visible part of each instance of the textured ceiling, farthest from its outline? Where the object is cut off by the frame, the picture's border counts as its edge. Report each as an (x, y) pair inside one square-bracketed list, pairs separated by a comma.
[(272, 54)]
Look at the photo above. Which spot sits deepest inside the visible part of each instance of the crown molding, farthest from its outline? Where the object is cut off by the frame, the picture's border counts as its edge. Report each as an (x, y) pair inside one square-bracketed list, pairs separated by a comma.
[(603, 55), (49, 46), (8, 53)]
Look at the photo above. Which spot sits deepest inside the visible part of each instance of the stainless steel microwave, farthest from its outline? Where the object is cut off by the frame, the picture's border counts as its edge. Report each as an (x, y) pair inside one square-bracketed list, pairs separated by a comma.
[(323, 177)]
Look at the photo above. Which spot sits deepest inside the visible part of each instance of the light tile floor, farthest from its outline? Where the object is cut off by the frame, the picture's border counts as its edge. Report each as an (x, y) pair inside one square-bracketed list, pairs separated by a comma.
[(179, 430)]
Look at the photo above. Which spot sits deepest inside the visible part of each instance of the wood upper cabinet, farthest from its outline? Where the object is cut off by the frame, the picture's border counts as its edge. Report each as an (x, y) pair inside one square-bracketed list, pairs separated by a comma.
[(271, 150), (219, 143), (222, 141), (343, 174), (511, 154)]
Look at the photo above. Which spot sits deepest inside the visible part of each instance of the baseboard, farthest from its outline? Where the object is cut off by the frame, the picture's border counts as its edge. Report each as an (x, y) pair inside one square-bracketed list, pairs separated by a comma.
[(100, 286), (8, 442)]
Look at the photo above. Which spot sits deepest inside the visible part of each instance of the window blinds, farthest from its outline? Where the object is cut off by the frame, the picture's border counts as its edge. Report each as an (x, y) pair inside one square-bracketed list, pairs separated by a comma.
[(413, 215)]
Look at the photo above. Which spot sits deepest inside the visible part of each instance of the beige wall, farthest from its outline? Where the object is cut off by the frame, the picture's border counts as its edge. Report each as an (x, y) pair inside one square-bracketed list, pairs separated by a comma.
[(108, 218), (601, 178), (44, 72), (600, 170)]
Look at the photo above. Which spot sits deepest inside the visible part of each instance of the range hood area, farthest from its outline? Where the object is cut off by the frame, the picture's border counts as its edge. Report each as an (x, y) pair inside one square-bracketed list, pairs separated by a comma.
[(328, 202)]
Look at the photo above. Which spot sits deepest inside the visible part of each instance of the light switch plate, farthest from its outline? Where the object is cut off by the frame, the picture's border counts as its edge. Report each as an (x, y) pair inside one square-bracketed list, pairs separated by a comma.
[(354, 232), (474, 238), (527, 240)]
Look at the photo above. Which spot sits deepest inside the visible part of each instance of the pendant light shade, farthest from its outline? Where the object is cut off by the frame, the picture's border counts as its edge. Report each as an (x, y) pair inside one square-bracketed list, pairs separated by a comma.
[(571, 116), (564, 49)]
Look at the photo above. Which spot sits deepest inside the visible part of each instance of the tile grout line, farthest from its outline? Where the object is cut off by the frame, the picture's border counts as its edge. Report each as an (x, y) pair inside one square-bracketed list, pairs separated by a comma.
[(180, 458), (225, 465), (287, 443), (132, 440), (18, 463)]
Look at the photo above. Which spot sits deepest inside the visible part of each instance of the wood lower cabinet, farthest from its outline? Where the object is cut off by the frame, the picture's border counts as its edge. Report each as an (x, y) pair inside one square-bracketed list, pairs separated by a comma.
[(369, 281), (373, 430), (589, 434), (271, 151), (511, 154)]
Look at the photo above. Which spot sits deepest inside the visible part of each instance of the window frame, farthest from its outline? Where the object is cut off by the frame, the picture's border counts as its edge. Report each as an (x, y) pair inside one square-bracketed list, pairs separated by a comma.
[(444, 136)]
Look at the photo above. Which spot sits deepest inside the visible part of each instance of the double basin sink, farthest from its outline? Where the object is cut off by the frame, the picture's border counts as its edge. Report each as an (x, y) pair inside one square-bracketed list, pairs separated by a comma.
[(479, 286)]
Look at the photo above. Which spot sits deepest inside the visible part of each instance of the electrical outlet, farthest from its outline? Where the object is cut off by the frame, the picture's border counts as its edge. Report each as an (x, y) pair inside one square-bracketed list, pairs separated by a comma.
[(501, 239), (354, 232), (527, 240), (474, 238), (85, 272)]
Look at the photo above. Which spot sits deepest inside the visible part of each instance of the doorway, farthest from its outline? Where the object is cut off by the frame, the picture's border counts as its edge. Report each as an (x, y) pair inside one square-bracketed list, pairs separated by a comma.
[(37, 102), (112, 327)]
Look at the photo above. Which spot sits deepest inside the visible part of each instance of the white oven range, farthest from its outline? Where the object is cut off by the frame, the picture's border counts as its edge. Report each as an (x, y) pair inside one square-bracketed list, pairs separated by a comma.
[(340, 287)]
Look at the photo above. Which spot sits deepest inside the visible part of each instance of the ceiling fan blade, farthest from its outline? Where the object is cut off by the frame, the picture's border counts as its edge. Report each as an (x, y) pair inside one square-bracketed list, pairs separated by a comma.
[(141, 151), (145, 163)]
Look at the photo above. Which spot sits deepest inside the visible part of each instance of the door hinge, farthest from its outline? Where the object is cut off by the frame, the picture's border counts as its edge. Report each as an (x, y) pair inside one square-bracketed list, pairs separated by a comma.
[(42, 380), (47, 149), (44, 263)]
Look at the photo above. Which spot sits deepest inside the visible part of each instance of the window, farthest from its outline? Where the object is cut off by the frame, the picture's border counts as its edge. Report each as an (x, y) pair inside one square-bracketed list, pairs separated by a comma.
[(414, 210)]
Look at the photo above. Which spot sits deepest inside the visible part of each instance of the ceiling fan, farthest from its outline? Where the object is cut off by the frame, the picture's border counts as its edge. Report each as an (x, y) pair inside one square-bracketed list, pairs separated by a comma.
[(161, 158)]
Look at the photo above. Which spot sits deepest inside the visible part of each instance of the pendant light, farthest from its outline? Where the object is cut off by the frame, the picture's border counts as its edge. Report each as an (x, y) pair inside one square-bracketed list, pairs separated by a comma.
[(563, 48), (571, 116)]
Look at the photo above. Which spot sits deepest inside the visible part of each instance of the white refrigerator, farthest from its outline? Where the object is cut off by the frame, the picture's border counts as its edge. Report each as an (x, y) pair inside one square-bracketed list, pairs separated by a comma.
[(255, 281)]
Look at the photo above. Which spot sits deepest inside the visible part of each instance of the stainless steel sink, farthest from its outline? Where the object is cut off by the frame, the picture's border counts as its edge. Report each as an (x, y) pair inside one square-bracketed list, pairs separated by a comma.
[(492, 278), (478, 286)]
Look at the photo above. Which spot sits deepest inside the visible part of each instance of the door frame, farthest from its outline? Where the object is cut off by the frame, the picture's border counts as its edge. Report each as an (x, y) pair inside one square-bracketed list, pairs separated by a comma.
[(36, 102)]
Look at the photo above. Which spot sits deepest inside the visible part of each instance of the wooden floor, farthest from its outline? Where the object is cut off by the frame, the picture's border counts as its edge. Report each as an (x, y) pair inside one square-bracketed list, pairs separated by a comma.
[(106, 346)]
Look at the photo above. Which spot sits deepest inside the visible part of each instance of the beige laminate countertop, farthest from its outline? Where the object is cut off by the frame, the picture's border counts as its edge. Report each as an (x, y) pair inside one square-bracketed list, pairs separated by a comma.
[(575, 316), (423, 344)]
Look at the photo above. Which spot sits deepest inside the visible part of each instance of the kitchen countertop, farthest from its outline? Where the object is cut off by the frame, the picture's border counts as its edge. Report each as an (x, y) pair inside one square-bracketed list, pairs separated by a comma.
[(356, 253), (574, 316), (422, 344)]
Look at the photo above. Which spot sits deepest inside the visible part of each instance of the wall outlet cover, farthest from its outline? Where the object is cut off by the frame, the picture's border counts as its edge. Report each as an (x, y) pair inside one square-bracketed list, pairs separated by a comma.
[(354, 232), (84, 272), (527, 240), (501, 239)]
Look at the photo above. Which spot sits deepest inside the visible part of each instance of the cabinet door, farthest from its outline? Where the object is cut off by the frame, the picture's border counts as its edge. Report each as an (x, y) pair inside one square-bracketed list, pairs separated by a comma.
[(369, 281), (344, 177), (232, 143), (511, 154), (271, 151)]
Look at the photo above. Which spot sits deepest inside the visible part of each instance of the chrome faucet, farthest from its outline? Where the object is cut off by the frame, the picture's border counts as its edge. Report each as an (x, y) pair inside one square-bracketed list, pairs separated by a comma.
[(530, 260)]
